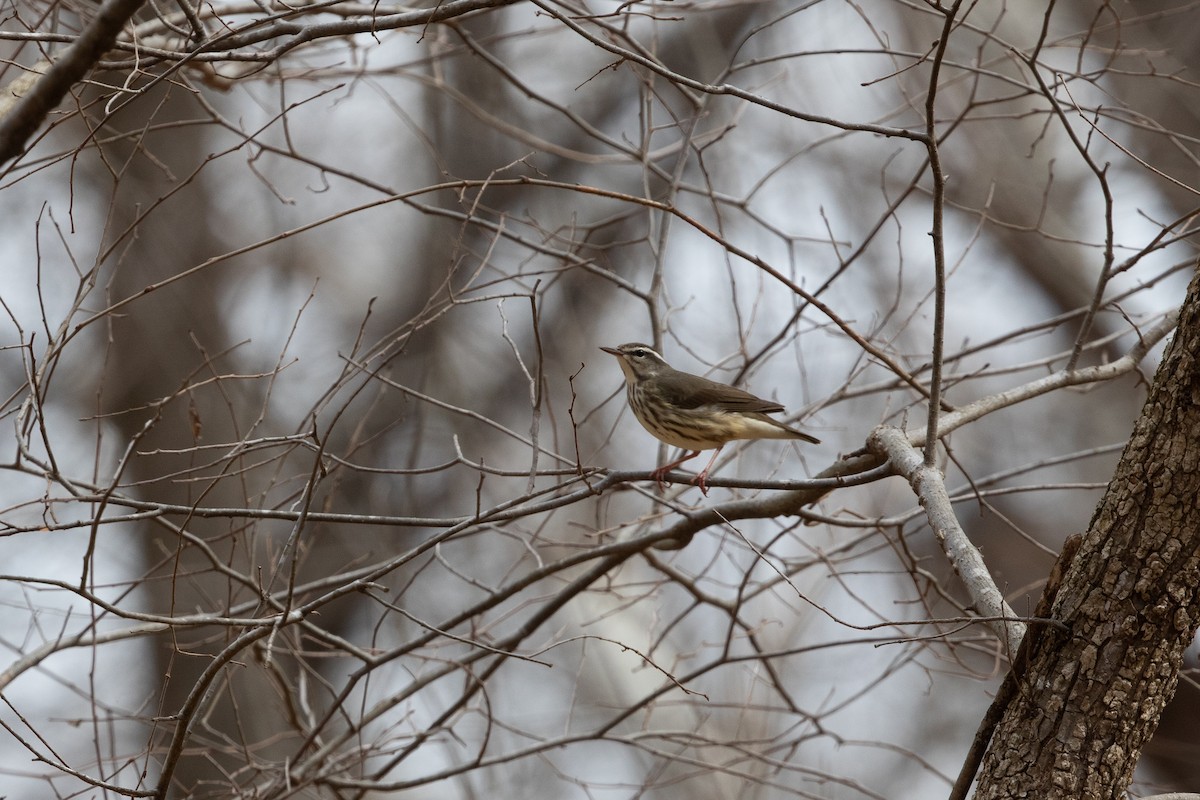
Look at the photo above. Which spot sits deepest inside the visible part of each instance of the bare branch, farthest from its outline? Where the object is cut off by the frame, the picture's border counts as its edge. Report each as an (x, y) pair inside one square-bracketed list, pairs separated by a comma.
[(930, 488), (37, 101)]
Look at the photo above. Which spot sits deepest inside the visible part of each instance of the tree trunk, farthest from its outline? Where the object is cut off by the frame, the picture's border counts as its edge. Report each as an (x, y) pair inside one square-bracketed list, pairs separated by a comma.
[(1091, 695)]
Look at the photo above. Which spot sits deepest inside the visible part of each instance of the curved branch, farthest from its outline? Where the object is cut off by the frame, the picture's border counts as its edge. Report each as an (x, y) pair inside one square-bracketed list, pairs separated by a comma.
[(930, 489), (47, 92)]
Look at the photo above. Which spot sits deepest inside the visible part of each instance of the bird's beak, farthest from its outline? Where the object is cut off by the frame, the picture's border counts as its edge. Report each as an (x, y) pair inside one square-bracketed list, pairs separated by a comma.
[(612, 351)]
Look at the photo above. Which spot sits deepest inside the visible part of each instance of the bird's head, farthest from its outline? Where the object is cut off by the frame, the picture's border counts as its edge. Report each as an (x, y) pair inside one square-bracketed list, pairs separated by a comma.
[(638, 361)]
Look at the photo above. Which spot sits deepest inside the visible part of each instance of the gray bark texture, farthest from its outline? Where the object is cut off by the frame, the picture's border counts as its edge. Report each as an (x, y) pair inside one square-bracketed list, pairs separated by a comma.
[(1089, 697)]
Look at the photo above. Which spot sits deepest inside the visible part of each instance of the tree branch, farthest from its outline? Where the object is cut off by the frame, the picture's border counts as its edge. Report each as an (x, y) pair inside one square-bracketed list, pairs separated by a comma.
[(930, 489), (46, 93)]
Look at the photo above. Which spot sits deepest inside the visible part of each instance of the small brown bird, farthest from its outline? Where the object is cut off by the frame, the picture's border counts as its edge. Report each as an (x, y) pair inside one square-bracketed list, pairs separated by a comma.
[(692, 412)]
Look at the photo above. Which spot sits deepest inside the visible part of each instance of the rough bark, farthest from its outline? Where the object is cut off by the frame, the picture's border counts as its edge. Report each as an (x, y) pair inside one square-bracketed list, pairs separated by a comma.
[(1090, 698)]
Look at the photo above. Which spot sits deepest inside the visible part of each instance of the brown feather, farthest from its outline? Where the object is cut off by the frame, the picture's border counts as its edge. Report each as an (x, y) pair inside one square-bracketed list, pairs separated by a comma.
[(692, 391)]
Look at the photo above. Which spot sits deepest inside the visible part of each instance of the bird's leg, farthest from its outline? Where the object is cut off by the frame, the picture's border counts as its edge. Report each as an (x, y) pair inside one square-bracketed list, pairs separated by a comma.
[(662, 471), (703, 476)]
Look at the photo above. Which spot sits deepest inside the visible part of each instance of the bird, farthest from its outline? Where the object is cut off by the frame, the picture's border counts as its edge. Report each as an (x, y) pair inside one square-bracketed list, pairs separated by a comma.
[(692, 412)]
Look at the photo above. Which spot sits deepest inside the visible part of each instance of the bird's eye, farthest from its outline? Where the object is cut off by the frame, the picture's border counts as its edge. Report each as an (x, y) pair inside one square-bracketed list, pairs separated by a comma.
[(639, 353)]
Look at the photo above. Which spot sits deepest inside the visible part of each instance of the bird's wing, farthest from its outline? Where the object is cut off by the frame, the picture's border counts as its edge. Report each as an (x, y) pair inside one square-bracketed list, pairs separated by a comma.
[(692, 391)]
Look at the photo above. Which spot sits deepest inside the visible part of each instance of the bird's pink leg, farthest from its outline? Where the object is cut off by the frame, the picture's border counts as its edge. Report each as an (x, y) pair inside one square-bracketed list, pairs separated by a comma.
[(662, 471), (702, 477)]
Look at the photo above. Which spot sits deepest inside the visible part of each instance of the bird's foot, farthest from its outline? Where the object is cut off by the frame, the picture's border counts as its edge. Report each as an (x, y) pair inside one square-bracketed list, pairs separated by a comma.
[(660, 476)]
